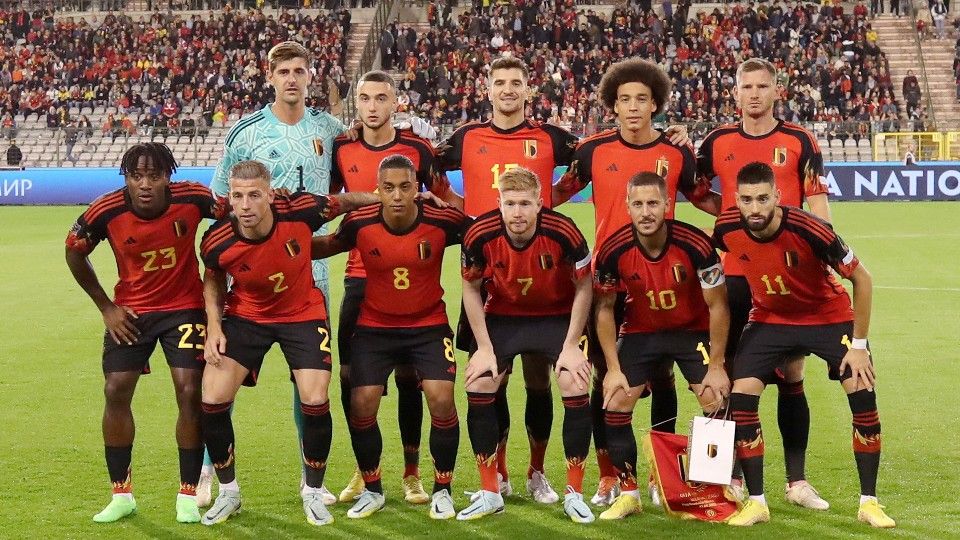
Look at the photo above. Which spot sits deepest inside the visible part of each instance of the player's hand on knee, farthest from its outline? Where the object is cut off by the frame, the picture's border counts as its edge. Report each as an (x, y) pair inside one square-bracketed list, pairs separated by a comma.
[(613, 382), (861, 368), (482, 362), (119, 323), (572, 359), (678, 135), (215, 346)]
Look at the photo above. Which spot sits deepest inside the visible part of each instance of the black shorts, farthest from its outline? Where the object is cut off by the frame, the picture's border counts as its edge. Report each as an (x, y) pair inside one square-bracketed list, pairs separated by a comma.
[(515, 335), (180, 333), (353, 291), (377, 351), (741, 302), (305, 345), (764, 347), (642, 356)]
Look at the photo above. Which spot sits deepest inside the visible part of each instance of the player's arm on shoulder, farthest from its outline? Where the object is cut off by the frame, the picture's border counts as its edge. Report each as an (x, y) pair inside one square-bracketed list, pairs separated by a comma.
[(325, 246), (348, 202), (573, 180)]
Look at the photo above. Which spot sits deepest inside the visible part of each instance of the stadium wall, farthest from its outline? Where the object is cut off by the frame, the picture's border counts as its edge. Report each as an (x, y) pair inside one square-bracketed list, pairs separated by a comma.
[(869, 181)]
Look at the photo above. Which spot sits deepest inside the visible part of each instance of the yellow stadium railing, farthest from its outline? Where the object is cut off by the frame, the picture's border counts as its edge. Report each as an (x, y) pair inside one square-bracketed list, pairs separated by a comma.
[(925, 146)]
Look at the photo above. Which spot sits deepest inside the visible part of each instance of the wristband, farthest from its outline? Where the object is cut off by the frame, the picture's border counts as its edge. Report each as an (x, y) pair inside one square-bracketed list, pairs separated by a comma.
[(859, 344)]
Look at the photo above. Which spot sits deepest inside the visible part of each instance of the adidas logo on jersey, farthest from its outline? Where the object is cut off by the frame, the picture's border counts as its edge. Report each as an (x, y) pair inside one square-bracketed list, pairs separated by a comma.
[(729, 157), (634, 277), (744, 257), (244, 268), (375, 252), (613, 167), (499, 264), (274, 154), (130, 241), (482, 150), (354, 169)]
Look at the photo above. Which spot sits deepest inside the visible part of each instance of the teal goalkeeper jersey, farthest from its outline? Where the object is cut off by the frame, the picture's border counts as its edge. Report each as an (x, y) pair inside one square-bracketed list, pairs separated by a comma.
[(289, 153), (305, 148)]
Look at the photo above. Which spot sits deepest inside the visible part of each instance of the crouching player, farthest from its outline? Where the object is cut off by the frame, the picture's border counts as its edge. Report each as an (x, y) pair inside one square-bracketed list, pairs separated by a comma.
[(535, 265), (799, 308), (402, 321), (676, 312), (264, 247)]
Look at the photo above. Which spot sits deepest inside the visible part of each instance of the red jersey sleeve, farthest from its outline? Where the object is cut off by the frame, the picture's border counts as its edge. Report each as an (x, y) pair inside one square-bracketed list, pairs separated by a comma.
[(337, 181), (452, 156), (825, 243), (563, 143), (91, 227), (810, 166), (214, 242), (690, 184), (571, 240), (606, 274), (473, 260)]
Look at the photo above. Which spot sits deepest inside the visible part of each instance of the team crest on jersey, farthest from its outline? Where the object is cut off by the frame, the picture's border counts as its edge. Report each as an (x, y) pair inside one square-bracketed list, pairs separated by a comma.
[(529, 148), (423, 248), (546, 261), (180, 228), (791, 259), (780, 156), (679, 273), (292, 247), (318, 146), (663, 167)]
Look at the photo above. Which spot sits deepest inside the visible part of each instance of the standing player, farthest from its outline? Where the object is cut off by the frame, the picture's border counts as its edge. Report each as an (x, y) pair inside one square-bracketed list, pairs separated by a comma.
[(295, 143), (534, 265), (636, 91), (402, 322), (798, 307), (484, 151), (273, 299), (355, 169), (793, 154), (676, 312), (151, 225)]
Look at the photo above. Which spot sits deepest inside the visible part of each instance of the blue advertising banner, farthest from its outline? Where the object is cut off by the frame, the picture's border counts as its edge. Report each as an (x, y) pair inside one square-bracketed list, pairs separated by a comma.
[(939, 181)]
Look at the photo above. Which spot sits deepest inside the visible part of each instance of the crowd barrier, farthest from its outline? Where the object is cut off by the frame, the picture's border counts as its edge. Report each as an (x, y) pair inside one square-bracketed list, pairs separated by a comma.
[(869, 181)]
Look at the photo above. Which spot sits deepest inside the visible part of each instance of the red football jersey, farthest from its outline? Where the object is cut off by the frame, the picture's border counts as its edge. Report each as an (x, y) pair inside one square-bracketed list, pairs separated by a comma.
[(609, 162), (790, 150), (355, 166), (663, 292), (534, 280), (403, 267), (788, 273), (272, 277), (483, 152), (156, 258)]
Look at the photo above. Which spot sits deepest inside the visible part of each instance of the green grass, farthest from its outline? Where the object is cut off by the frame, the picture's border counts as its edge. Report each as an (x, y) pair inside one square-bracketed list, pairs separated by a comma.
[(51, 453)]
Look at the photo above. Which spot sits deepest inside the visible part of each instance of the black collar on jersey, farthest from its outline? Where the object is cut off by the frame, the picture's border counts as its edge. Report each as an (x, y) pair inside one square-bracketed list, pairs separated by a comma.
[(236, 228), (402, 232), (650, 144), (514, 129), (168, 200), (772, 237), (746, 135), (368, 146), (668, 223), (536, 232)]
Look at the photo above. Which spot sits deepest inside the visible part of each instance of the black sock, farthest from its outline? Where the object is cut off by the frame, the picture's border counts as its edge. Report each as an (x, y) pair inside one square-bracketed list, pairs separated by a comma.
[(866, 439), (367, 446), (317, 435), (410, 418), (345, 390), (118, 467), (663, 403), (793, 417), (216, 429), (597, 417), (444, 441), (576, 438), (749, 439), (538, 417), (191, 461), (502, 407), (622, 447), (483, 429)]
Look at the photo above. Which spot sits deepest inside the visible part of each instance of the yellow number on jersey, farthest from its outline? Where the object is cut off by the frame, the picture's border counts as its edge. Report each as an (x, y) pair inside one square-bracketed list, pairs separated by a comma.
[(277, 279), (526, 282), (187, 330), (168, 259), (496, 172), (401, 278), (779, 280), (667, 300)]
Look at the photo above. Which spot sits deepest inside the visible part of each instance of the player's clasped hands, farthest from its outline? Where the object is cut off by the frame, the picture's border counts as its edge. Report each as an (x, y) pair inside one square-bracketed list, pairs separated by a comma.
[(573, 360), (482, 362), (119, 323), (614, 381), (861, 368), (716, 382), (215, 347)]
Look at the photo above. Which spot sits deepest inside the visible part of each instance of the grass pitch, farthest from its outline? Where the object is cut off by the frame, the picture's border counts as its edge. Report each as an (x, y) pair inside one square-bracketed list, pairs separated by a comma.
[(51, 452)]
